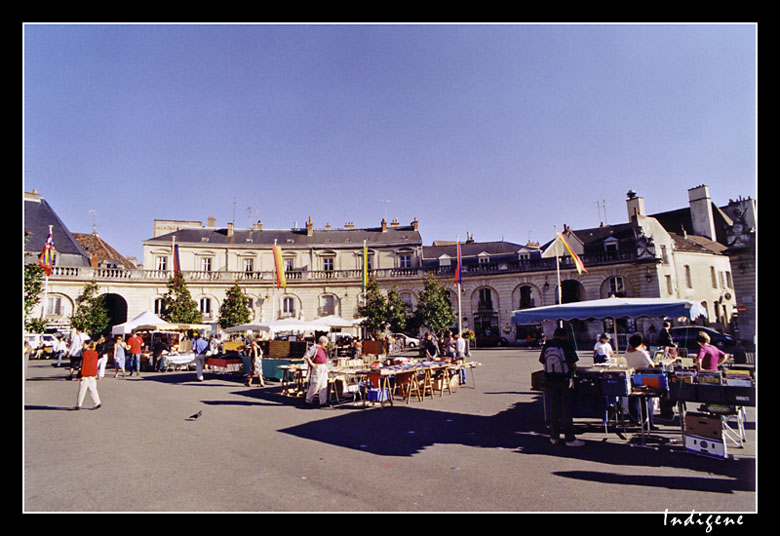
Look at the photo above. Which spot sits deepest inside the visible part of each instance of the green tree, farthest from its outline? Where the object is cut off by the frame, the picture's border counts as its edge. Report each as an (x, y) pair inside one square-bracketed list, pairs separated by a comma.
[(177, 303), (434, 310), (91, 314), (235, 309), (397, 311), (374, 309), (33, 286)]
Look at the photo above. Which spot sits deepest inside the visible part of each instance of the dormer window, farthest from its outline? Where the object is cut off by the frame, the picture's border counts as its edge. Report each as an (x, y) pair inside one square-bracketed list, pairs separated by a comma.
[(483, 258), (610, 245), (445, 261)]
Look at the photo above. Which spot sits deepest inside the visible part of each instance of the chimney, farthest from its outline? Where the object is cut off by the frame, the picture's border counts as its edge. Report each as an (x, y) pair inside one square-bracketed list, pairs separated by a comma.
[(212, 221), (309, 227), (384, 225), (635, 205), (349, 225), (702, 219), (259, 226), (415, 224), (394, 223), (230, 229)]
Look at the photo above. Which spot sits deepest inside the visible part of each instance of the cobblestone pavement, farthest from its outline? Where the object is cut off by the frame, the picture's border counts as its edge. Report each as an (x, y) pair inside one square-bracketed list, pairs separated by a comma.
[(481, 449)]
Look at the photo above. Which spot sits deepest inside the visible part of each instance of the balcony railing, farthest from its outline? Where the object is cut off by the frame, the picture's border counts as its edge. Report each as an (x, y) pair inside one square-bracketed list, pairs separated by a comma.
[(88, 273)]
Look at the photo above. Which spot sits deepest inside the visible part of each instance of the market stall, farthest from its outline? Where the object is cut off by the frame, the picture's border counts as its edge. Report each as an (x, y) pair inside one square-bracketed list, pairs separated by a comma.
[(604, 390)]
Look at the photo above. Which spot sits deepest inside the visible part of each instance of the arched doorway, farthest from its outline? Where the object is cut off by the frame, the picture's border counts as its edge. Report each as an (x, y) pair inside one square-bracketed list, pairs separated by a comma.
[(117, 309)]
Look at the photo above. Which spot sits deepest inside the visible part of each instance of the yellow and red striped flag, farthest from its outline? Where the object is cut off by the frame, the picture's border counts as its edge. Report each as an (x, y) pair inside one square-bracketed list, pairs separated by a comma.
[(577, 261), (279, 264)]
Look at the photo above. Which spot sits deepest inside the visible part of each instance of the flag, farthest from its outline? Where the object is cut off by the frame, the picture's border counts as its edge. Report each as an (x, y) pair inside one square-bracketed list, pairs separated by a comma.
[(458, 278), (364, 275), (577, 261), (279, 264), (46, 260), (176, 262)]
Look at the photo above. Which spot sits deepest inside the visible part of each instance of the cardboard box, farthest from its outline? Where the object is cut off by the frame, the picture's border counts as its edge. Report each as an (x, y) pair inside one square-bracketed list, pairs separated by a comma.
[(615, 385), (703, 425), (706, 446)]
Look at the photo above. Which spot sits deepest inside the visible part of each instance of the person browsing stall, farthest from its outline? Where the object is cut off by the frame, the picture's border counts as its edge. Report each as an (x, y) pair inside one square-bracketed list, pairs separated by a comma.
[(560, 362), (317, 359), (199, 348), (710, 356), (603, 350)]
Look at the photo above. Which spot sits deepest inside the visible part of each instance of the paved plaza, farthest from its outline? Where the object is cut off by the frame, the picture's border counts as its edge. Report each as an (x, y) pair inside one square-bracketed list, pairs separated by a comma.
[(481, 449)]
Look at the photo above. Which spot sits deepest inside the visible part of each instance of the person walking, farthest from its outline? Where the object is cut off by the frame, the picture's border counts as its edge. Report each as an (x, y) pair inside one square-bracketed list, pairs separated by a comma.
[(199, 347), (560, 362), (136, 344), (102, 349), (75, 349), (119, 356), (88, 381), (256, 353)]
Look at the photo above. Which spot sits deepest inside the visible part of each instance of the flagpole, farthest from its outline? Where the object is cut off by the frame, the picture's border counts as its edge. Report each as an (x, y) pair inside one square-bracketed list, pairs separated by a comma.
[(557, 265), (276, 284), (460, 317), (46, 282)]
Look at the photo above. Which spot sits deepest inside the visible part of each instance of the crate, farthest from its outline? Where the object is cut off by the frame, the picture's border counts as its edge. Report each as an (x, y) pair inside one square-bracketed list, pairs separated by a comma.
[(613, 384), (706, 446), (377, 395), (740, 396), (704, 425), (682, 391), (710, 393), (654, 381)]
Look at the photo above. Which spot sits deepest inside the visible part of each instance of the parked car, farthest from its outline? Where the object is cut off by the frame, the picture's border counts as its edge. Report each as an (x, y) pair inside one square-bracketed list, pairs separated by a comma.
[(685, 337), (409, 342), (491, 340)]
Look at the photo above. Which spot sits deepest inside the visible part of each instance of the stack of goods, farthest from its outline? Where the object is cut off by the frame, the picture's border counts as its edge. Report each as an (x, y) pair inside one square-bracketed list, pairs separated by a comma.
[(709, 387), (740, 388), (278, 349), (682, 385)]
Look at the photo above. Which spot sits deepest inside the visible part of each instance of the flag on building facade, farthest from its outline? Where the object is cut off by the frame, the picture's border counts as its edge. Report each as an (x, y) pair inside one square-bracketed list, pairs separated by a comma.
[(176, 261), (364, 275), (279, 264), (46, 260), (458, 278), (577, 261)]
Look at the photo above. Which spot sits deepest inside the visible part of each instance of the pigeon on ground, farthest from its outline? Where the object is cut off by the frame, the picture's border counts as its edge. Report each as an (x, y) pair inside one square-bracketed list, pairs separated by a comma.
[(195, 416)]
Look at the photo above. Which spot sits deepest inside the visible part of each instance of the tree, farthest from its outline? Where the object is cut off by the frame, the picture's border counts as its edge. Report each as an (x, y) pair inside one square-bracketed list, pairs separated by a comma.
[(33, 286), (375, 308), (434, 310), (235, 309), (177, 303), (397, 311), (91, 314)]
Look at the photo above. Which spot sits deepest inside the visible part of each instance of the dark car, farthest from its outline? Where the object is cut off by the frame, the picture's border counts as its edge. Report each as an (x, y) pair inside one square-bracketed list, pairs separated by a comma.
[(490, 340), (685, 337)]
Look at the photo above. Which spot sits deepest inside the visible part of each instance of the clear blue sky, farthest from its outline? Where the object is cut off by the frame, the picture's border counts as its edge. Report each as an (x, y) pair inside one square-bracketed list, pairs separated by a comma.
[(502, 131)]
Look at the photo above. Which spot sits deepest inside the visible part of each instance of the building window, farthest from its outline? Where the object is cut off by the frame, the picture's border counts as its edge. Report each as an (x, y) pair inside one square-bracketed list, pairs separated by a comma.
[(714, 277), (205, 307), (288, 307), (729, 282), (205, 264), (669, 287), (327, 305), (688, 281), (158, 306), (249, 264), (445, 261), (289, 264), (483, 258), (616, 287), (404, 261), (406, 297), (327, 264), (485, 299), (161, 263), (54, 306)]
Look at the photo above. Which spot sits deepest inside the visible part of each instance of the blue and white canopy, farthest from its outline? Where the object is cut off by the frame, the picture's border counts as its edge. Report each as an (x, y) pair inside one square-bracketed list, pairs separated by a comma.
[(612, 308)]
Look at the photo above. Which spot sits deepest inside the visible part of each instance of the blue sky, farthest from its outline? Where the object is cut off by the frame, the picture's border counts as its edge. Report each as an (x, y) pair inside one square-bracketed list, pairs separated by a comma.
[(501, 131)]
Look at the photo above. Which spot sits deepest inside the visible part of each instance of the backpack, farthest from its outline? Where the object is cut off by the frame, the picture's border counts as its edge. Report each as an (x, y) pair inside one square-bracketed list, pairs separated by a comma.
[(554, 360)]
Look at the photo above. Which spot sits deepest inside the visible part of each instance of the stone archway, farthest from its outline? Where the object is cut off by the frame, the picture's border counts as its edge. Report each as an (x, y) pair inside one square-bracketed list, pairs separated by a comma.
[(117, 309)]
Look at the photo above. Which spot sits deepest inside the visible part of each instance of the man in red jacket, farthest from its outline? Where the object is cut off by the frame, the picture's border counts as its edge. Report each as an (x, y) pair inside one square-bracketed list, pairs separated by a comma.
[(89, 369)]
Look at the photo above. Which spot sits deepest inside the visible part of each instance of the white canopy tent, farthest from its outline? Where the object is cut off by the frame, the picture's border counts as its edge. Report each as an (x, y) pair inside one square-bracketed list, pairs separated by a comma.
[(145, 318)]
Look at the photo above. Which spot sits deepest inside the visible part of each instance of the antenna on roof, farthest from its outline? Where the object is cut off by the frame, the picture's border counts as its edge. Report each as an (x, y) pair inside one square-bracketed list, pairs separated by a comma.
[(94, 220)]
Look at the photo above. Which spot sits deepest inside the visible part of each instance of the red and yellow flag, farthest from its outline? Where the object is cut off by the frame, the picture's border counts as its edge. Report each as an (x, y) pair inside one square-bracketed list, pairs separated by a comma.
[(279, 264), (46, 260), (577, 261)]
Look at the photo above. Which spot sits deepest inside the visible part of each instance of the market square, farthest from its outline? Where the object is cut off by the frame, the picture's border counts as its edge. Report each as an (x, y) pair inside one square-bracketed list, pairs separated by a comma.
[(483, 448)]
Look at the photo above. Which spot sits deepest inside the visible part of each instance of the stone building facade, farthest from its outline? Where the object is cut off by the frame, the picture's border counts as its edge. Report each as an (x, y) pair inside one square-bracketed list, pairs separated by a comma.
[(648, 256)]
